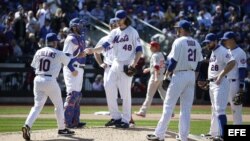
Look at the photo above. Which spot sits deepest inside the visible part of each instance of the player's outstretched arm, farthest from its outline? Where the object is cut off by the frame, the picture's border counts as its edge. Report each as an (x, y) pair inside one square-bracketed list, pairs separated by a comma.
[(93, 50)]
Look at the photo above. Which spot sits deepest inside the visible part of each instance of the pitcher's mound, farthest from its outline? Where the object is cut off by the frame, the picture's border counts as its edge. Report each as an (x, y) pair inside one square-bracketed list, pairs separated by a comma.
[(89, 134)]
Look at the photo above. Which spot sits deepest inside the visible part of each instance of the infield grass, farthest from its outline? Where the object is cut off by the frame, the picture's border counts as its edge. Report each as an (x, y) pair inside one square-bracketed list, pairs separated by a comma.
[(49, 109), (15, 124)]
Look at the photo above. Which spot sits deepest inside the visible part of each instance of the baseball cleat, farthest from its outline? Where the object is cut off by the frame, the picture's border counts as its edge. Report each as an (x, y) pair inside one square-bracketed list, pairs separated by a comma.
[(152, 137), (66, 132), (140, 114), (81, 124), (113, 122), (26, 132), (206, 135), (218, 138), (172, 115), (177, 137), (122, 125), (131, 123)]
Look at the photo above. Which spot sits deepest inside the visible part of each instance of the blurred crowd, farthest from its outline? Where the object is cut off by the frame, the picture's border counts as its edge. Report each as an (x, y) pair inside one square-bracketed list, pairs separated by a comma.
[(25, 23)]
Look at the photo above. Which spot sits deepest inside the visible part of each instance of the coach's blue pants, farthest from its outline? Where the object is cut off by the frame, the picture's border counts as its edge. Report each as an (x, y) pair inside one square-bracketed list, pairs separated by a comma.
[(72, 109)]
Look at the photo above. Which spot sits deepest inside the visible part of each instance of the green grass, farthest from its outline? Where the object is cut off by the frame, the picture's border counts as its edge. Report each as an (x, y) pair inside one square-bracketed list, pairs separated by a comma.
[(15, 124), (91, 109)]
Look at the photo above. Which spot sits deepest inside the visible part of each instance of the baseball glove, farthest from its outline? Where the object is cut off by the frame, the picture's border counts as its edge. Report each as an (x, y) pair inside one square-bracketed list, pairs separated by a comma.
[(204, 85), (238, 98), (165, 84), (129, 70)]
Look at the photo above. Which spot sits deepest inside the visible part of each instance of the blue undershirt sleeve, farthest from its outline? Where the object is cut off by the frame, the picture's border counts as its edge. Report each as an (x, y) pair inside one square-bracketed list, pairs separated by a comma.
[(70, 64), (171, 65)]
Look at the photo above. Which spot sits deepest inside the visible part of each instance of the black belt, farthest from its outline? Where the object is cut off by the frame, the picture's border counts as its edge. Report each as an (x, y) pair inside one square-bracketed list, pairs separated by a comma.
[(233, 80), (213, 80), (185, 70), (48, 75), (78, 66)]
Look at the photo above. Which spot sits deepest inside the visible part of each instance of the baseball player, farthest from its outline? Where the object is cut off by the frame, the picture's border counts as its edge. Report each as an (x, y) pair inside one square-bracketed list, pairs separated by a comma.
[(237, 75), (108, 58), (127, 51), (183, 61), (220, 63), (47, 64), (156, 69), (73, 45)]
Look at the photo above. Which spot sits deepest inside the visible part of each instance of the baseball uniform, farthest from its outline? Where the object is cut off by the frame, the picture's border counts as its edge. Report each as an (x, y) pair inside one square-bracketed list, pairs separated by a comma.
[(108, 57), (125, 44), (73, 45), (157, 59), (233, 77), (187, 53), (47, 63)]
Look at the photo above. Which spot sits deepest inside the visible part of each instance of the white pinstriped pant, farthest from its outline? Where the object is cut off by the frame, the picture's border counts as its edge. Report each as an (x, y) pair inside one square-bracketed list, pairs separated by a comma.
[(219, 99), (118, 80), (45, 87), (182, 85), (236, 109)]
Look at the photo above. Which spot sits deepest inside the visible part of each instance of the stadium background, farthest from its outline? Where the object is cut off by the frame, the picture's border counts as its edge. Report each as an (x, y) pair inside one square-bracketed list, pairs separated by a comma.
[(22, 33)]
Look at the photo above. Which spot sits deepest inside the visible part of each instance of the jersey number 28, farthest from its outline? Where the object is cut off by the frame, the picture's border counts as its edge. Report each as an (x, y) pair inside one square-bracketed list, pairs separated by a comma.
[(44, 65)]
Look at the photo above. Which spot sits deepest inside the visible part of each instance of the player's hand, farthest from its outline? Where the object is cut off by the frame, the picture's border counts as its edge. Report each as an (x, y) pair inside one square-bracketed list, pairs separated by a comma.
[(167, 76), (203, 85), (147, 70), (103, 65), (218, 80), (133, 65), (82, 54), (75, 73), (89, 50)]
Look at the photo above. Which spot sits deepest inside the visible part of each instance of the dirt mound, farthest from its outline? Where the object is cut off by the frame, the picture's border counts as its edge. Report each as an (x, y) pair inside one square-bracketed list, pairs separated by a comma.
[(88, 134)]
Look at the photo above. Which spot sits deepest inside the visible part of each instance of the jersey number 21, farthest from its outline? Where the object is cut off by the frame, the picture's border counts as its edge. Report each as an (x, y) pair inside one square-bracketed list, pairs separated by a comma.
[(192, 55)]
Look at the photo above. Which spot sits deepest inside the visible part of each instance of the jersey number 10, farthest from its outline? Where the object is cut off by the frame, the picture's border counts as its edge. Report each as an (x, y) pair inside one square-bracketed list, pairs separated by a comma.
[(44, 65), (192, 55)]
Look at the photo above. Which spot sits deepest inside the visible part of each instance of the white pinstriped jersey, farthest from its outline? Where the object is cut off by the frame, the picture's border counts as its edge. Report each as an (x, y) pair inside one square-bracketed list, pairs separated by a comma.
[(69, 46), (218, 60), (124, 43), (187, 52), (157, 59), (49, 61), (74, 45), (108, 52), (241, 62)]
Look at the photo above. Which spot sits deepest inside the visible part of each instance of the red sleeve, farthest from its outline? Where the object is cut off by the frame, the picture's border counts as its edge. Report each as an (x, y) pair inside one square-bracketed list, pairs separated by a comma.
[(157, 67)]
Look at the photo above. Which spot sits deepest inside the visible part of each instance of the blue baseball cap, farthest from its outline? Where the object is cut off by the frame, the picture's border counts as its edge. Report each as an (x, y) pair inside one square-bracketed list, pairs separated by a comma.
[(183, 24), (50, 37), (228, 35), (209, 38), (112, 21), (120, 14)]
